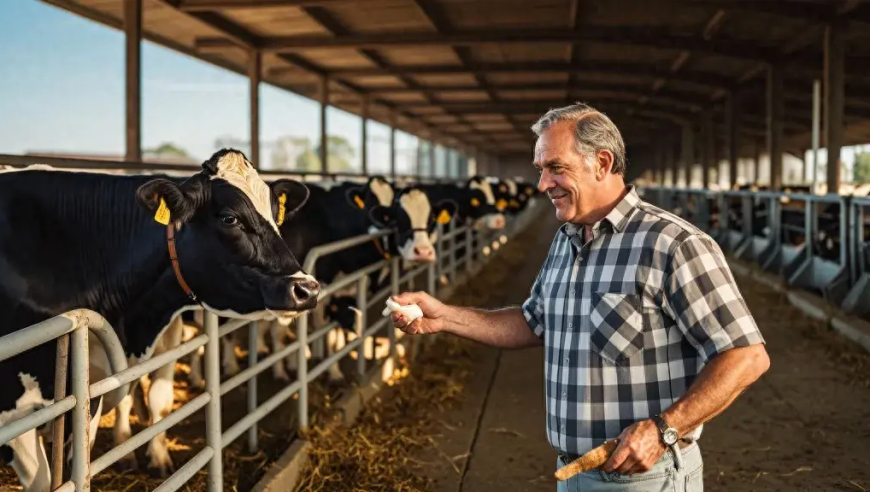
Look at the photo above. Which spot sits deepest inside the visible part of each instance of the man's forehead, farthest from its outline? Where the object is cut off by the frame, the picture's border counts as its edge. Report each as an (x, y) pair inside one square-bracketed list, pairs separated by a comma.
[(554, 142)]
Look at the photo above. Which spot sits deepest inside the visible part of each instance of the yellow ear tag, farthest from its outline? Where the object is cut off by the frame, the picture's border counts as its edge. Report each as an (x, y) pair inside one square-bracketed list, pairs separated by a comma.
[(359, 202), (443, 217), (282, 208), (162, 214), (501, 204), (515, 203), (475, 202)]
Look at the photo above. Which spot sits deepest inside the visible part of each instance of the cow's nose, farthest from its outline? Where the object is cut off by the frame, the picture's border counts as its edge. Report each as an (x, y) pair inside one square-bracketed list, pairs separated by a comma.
[(424, 252), (304, 292)]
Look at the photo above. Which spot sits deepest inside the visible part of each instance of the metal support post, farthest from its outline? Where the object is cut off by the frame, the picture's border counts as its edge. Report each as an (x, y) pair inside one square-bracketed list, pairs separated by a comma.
[(362, 300), (469, 244), (57, 429), (394, 289), (213, 407), (252, 383), (302, 370), (81, 412)]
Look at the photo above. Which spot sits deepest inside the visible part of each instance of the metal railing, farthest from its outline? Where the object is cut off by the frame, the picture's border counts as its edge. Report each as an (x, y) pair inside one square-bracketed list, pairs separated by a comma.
[(79, 323), (816, 242)]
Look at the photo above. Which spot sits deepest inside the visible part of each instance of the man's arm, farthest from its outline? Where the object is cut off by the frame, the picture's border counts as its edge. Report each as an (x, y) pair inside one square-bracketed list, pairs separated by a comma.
[(701, 296), (502, 328)]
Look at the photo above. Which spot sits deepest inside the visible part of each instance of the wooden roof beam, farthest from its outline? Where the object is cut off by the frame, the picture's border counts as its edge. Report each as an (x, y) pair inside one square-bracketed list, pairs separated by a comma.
[(612, 35), (208, 5)]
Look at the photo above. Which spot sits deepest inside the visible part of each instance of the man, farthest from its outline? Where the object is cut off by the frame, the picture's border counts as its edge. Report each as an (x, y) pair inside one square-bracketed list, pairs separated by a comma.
[(646, 335)]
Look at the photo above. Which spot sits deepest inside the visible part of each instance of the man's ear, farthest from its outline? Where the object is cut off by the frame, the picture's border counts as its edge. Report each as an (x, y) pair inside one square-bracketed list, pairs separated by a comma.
[(288, 197), (356, 197), (604, 161), (166, 200), (382, 217), (444, 211)]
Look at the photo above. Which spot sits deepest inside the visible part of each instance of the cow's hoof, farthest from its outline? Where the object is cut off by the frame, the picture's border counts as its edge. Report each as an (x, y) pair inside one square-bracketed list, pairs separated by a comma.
[(127, 464), (160, 470), (231, 369), (198, 383)]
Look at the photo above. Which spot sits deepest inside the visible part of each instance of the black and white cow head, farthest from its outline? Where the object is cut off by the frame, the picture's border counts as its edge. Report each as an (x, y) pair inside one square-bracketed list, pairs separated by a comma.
[(409, 214), (482, 204), (229, 249)]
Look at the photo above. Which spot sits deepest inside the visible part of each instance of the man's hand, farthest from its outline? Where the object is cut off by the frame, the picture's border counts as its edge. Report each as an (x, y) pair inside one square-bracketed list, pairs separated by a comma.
[(433, 311), (640, 447)]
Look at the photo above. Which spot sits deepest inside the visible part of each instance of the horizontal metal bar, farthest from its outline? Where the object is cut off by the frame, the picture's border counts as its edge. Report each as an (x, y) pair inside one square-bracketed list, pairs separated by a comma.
[(378, 297), (261, 412), (238, 379), (335, 246), (231, 326), (68, 486), (148, 433), (322, 331), (186, 472), (414, 273), (26, 338), (133, 373), (334, 358), (11, 430)]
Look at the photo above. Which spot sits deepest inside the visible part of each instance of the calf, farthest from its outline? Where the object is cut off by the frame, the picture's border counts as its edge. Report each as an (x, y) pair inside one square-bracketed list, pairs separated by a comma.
[(138, 250)]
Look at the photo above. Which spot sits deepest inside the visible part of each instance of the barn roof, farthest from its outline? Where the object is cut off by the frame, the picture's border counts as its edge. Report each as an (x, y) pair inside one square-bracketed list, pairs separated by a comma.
[(477, 73)]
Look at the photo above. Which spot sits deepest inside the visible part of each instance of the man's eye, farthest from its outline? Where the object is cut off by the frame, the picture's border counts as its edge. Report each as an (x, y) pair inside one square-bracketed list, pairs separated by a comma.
[(556, 169), (229, 220)]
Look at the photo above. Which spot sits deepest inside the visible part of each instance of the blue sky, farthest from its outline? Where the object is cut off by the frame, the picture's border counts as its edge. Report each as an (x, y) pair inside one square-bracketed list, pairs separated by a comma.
[(62, 90)]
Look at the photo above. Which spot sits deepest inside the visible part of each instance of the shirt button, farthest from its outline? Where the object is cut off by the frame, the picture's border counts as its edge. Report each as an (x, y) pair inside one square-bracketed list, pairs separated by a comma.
[(564, 394), (570, 325), (567, 359), (573, 291)]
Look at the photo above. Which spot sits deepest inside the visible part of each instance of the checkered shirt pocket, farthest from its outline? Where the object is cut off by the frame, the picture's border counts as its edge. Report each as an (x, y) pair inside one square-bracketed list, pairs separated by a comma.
[(617, 326)]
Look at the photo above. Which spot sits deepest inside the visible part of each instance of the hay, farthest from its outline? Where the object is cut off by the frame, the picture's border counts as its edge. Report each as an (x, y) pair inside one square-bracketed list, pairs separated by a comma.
[(375, 453)]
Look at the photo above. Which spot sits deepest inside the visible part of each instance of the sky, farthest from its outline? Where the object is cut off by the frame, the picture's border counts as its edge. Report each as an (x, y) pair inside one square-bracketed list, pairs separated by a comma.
[(62, 90)]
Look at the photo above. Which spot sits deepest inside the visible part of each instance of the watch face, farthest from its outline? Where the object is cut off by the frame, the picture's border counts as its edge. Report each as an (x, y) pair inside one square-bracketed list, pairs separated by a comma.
[(670, 436)]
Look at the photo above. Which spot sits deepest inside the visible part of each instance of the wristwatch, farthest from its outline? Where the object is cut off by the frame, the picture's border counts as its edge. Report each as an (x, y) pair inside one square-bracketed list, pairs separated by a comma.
[(668, 434)]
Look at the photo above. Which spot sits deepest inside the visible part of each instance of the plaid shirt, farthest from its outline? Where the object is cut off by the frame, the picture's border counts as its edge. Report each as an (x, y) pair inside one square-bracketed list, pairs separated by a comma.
[(629, 319)]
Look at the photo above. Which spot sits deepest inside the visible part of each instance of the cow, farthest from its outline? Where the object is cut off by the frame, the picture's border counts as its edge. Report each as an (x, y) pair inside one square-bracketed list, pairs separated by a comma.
[(139, 250)]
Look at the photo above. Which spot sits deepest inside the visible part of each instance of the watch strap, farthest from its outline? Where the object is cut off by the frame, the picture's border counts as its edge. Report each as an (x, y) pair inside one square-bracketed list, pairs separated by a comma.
[(661, 424)]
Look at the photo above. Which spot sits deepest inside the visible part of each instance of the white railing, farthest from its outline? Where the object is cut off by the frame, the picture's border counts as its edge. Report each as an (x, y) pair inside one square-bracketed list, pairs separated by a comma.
[(80, 323)]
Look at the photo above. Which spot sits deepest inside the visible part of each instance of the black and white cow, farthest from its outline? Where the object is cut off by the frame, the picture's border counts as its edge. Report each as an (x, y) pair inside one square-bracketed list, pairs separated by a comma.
[(475, 200), (79, 240)]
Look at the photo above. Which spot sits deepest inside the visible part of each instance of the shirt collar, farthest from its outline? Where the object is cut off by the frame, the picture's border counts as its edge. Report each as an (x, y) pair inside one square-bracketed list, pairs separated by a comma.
[(618, 217)]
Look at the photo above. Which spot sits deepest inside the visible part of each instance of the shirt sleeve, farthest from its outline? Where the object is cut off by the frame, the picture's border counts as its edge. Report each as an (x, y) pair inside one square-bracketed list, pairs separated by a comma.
[(533, 308), (701, 295)]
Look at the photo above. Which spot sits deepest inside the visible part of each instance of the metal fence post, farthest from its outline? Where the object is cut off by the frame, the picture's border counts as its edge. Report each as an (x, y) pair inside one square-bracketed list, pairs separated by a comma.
[(213, 407), (394, 288), (362, 300), (57, 429), (454, 250), (809, 230), (469, 244), (253, 337), (302, 370), (81, 412), (440, 254)]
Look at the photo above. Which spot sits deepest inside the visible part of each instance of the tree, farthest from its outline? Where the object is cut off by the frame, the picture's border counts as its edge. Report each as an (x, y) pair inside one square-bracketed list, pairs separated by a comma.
[(168, 149), (861, 169), (340, 153)]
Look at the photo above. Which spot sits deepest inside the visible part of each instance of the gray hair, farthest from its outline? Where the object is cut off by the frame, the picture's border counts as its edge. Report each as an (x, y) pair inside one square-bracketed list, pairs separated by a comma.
[(593, 131)]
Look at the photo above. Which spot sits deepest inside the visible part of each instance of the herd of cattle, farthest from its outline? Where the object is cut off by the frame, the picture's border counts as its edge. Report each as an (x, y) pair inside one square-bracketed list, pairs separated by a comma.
[(146, 252)]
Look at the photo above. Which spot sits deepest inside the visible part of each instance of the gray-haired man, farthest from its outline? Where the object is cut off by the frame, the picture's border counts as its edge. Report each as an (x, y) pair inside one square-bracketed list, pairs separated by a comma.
[(646, 335)]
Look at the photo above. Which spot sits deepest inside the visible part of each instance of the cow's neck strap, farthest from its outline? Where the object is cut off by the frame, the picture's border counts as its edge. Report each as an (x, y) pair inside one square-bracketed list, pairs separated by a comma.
[(173, 256)]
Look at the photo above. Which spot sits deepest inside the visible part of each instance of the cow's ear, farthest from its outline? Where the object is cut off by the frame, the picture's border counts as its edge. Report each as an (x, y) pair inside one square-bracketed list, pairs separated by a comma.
[(356, 197), (288, 197), (444, 211), (382, 216), (166, 200)]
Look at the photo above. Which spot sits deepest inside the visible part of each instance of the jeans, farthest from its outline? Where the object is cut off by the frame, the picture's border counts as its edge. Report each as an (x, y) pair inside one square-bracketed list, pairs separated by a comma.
[(662, 477)]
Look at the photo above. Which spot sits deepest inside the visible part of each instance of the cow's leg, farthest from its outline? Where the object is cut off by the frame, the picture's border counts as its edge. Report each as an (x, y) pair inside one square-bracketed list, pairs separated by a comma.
[(335, 340), (262, 346), (122, 431), (277, 334), (195, 377), (161, 398), (229, 361), (28, 459)]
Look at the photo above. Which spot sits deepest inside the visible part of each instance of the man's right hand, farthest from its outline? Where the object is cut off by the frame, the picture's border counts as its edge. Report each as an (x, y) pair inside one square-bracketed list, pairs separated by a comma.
[(433, 313)]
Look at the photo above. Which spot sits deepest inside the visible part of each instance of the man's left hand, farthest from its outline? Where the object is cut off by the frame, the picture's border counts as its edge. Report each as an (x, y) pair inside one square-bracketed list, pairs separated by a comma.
[(640, 447)]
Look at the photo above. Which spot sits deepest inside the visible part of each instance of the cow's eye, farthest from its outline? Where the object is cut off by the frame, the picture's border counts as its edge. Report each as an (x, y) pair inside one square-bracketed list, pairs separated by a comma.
[(229, 220)]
